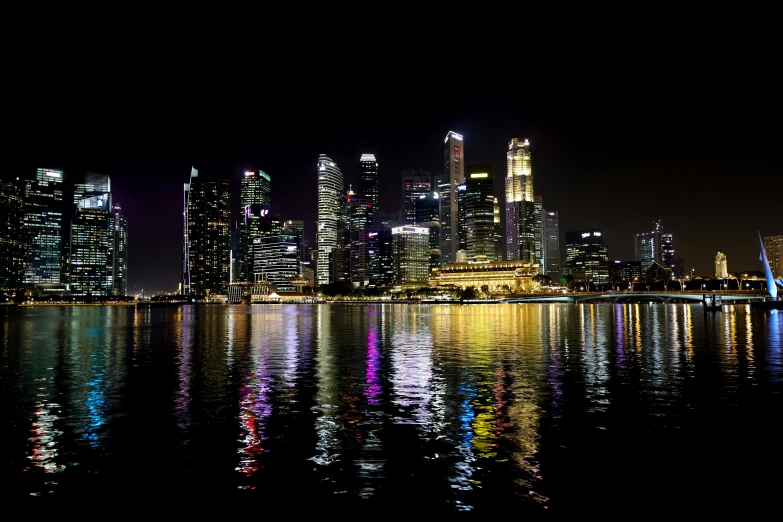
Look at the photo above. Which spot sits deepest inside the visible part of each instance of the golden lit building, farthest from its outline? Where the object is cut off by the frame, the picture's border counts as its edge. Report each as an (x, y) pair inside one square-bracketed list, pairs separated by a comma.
[(497, 276)]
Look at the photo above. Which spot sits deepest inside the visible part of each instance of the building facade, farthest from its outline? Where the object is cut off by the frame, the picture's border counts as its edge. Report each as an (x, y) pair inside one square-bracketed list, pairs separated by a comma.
[(12, 239), (255, 189), (453, 175), (479, 204), (774, 248), (43, 227), (92, 247), (207, 238), (520, 204), (551, 245), (330, 215), (368, 178), (587, 254), (120, 251), (411, 255), (492, 276), (655, 246), (721, 266), (415, 184)]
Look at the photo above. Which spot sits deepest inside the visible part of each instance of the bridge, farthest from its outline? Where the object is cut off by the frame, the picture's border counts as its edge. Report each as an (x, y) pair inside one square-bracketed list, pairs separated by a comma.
[(666, 297)]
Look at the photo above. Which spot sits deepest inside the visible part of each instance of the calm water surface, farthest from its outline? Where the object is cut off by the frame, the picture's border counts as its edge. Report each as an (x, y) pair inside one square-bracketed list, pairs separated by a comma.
[(523, 410)]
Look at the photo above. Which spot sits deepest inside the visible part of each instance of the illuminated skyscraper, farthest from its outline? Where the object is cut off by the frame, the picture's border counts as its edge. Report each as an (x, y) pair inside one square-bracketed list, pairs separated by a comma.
[(721, 266), (587, 257), (331, 204), (12, 245), (654, 246), (255, 189), (43, 223), (207, 237), (415, 183), (362, 249), (479, 206), (453, 176), (551, 244), (774, 247), (120, 252), (499, 247), (368, 178), (520, 205), (92, 239), (411, 253)]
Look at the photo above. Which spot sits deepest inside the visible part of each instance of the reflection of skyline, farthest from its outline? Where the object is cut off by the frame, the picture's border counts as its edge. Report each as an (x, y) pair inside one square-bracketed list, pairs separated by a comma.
[(327, 396), (182, 396)]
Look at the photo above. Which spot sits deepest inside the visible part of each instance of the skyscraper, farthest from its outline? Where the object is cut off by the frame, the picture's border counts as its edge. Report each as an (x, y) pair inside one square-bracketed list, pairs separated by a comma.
[(207, 238), (520, 206), (92, 238), (255, 189), (479, 206), (411, 252), (361, 225), (43, 223), (368, 178), (499, 247), (120, 252), (551, 254), (415, 183), (12, 245), (331, 204), (453, 175), (655, 246), (538, 232), (587, 256), (774, 247)]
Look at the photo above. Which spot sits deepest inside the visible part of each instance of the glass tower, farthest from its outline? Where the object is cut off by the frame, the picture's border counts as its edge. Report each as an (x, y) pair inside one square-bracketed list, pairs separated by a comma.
[(551, 245), (11, 233), (43, 222), (479, 203), (520, 203), (368, 178), (92, 246), (454, 175), (120, 252), (587, 254), (415, 183), (331, 204), (411, 252)]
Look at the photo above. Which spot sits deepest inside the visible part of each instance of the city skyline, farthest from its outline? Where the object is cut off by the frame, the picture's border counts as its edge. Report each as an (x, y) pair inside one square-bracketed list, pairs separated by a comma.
[(601, 178)]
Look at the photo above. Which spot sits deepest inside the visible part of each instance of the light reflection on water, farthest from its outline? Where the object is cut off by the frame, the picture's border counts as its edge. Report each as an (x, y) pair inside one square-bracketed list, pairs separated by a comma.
[(463, 408)]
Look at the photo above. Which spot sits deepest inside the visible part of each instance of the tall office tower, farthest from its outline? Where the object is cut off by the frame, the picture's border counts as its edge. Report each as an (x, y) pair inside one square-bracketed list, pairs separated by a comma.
[(415, 183), (587, 257), (276, 260), (295, 227), (361, 226), (721, 267), (341, 256), (538, 234), (428, 215), (119, 251), (774, 247), (668, 259), (258, 224), (330, 218), (453, 175), (92, 242), (551, 244), (368, 178), (207, 236), (90, 185), (479, 204), (499, 250), (11, 233), (648, 247), (411, 253), (43, 226), (255, 189), (462, 229), (520, 206)]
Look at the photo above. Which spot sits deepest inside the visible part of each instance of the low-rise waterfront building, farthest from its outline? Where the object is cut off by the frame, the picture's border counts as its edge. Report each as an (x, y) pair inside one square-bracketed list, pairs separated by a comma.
[(497, 276)]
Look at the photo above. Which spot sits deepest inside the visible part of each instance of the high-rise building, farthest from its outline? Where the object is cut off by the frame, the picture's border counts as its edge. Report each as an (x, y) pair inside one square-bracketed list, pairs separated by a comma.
[(331, 204), (551, 245), (120, 251), (90, 184), (415, 183), (479, 205), (362, 251), (520, 204), (12, 240), (259, 223), (411, 253), (368, 178), (255, 189), (655, 246), (721, 267), (628, 271), (774, 247), (587, 256), (43, 226), (538, 232), (462, 229), (276, 260), (428, 215), (207, 238), (499, 247), (92, 242), (453, 176)]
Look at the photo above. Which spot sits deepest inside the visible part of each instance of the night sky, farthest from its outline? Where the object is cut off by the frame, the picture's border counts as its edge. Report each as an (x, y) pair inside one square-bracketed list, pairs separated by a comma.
[(616, 147)]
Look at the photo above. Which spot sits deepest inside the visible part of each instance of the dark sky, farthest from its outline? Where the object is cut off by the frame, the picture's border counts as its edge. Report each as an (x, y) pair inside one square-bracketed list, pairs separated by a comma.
[(615, 144)]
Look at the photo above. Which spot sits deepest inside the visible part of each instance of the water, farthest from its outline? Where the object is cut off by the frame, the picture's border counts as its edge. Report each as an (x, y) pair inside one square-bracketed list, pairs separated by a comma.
[(523, 410)]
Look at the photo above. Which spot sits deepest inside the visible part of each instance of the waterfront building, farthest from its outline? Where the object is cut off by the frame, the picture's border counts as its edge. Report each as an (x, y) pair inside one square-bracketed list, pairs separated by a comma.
[(411, 255), (415, 184), (331, 210), (340, 256), (92, 246), (462, 229), (276, 260), (119, 251), (453, 175), (255, 189), (586, 253), (498, 230), (12, 239), (479, 205), (207, 236), (520, 203), (362, 243), (721, 266), (43, 227), (774, 248), (551, 245), (368, 178), (489, 276), (625, 271)]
